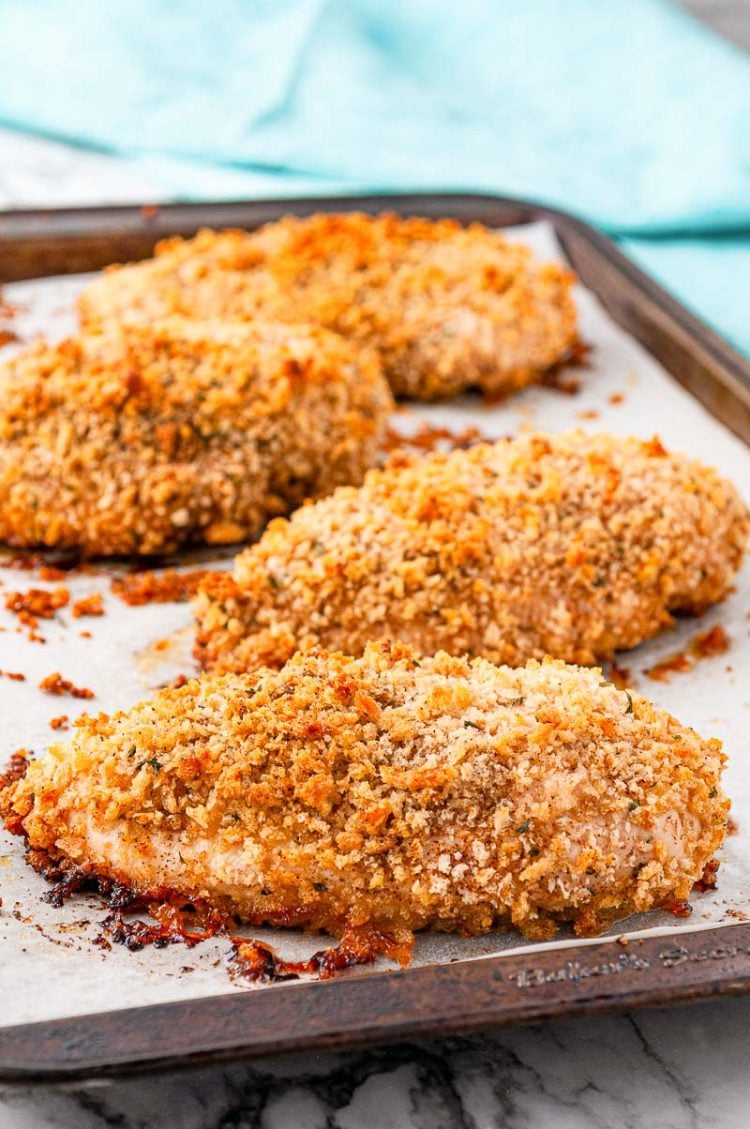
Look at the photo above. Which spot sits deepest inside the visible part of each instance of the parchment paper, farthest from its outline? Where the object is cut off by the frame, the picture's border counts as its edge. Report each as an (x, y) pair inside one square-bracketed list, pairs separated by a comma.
[(49, 967)]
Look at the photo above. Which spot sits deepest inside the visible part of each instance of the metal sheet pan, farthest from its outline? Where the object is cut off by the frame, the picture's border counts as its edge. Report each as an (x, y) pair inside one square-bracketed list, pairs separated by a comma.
[(119, 1011)]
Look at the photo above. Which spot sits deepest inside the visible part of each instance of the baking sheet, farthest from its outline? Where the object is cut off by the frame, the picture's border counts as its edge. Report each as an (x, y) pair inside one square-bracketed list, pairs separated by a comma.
[(50, 967)]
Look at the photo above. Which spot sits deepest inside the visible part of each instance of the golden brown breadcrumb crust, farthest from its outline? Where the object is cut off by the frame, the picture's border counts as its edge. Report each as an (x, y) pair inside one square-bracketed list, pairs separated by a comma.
[(140, 439), (448, 307), (572, 545), (391, 791)]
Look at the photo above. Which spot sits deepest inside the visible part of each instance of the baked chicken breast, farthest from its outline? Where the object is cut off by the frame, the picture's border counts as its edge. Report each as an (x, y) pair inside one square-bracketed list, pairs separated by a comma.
[(391, 791), (144, 438), (447, 307), (571, 545)]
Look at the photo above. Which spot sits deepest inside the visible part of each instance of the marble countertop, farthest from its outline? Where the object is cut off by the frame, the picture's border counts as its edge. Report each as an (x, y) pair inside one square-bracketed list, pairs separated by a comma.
[(680, 1068)]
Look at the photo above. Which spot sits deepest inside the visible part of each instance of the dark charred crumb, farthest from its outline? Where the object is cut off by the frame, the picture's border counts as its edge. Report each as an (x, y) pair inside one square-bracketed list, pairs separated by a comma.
[(119, 896), (170, 587), (92, 605), (68, 884), (57, 685), (678, 908), (708, 879), (136, 935)]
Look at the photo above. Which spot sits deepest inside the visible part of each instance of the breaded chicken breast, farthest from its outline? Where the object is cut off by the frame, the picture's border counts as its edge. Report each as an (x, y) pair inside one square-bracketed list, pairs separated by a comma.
[(390, 791), (447, 307), (572, 545), (140, 439)]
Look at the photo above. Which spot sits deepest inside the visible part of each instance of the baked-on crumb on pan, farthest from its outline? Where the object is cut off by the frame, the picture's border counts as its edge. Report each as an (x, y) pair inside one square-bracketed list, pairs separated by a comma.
[(572, 545), (391, 791), (143, 438), (448, 307)]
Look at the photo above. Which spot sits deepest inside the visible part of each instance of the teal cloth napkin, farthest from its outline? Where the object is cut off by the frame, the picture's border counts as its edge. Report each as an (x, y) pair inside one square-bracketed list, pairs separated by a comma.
[(629, 113)]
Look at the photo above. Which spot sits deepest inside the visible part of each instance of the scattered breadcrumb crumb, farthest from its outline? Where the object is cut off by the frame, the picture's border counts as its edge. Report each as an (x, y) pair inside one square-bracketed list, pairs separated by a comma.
[(88, 605), (52, 572), (56, 684), (15, 675), (36, 604), (713, 641)]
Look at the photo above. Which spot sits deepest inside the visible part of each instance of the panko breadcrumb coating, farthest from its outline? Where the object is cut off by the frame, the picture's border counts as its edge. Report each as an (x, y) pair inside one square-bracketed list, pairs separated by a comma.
[(141, 439), (389, 791), (572, 545), (448, 307)]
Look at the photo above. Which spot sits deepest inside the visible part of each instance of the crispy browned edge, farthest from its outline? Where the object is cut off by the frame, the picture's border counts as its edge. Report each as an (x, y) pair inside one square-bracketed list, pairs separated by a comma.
[(392, 1006)]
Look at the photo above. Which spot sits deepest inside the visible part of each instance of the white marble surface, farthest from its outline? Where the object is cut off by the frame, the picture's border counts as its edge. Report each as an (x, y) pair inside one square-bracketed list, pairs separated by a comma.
[(682, 1068)]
